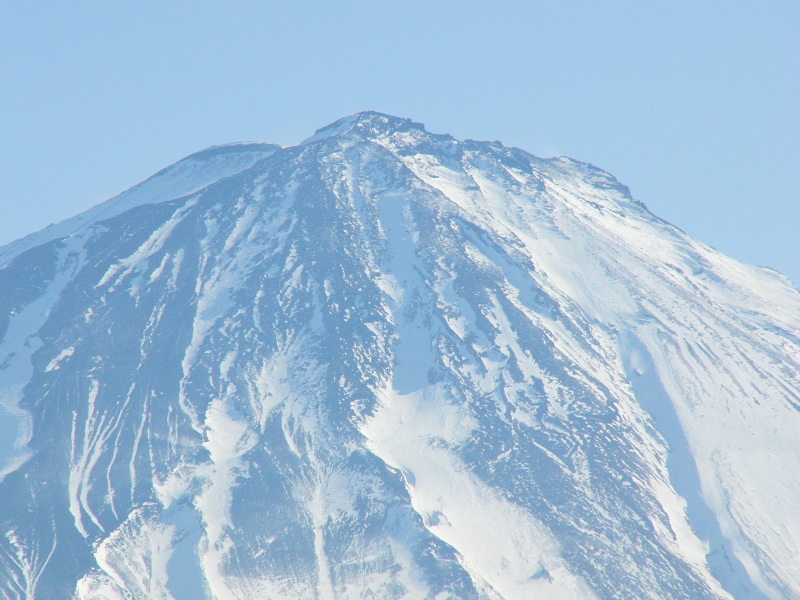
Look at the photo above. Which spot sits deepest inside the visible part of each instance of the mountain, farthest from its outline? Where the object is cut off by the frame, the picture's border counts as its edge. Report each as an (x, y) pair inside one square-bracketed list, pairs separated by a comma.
[(387, 364)]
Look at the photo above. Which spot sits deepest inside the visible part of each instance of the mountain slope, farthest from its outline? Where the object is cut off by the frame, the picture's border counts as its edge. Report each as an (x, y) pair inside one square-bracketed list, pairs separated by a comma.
[(389, 364)]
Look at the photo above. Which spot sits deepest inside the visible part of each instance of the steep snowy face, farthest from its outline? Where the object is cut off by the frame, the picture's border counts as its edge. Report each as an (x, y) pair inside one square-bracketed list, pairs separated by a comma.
[(390, 364)]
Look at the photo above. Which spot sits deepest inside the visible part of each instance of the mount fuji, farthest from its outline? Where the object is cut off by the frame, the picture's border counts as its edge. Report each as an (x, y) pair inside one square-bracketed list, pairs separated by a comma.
[(389, 364)]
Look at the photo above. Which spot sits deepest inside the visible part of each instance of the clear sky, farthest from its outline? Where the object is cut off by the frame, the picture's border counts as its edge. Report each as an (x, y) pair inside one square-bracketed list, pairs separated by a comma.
[(693, 105)]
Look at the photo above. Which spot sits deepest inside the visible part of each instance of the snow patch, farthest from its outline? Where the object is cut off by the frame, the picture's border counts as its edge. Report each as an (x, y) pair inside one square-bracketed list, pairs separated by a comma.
[(418, 435), (55, 364)]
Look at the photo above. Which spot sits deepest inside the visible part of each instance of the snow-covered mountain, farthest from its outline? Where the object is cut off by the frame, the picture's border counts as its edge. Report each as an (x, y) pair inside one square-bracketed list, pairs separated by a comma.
[(389, 364)]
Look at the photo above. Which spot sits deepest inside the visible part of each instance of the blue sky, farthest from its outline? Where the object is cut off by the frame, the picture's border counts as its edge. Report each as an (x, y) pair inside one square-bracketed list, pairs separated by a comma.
[(693, 105)]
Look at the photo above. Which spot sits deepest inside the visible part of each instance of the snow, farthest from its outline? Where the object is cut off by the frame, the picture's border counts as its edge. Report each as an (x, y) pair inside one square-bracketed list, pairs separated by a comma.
[(591, 247), (133, 561), (228, 439), (139, 258), (185, 177), (411, 433), (55, 363), (86, 451), (17, 347)]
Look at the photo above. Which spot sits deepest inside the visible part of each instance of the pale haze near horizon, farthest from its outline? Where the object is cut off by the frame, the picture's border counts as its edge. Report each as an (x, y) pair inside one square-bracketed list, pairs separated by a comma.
[(692, 105)]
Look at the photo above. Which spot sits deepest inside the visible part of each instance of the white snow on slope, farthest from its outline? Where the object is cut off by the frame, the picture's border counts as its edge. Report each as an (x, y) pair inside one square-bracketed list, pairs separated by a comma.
[(588, 244), (18, 346), (185, 177), (499, 543)]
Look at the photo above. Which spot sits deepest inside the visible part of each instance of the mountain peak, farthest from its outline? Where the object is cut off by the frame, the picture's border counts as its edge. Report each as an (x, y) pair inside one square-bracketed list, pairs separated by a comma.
[(417, 368), (369, 124)]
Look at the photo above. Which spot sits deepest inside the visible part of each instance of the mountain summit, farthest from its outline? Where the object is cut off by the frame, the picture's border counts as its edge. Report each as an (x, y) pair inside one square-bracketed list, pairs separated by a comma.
[(389, 364)]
